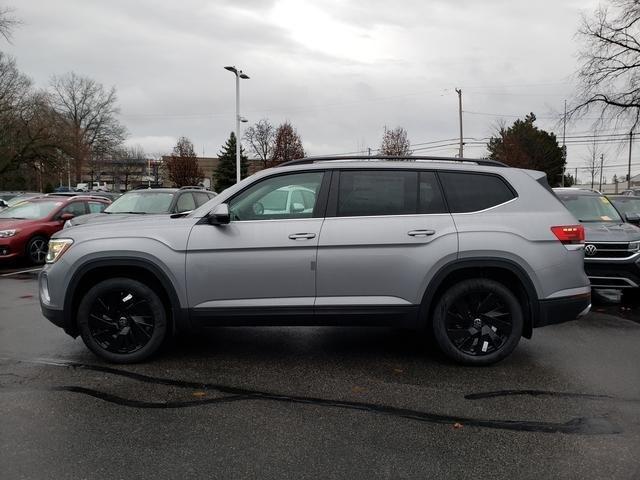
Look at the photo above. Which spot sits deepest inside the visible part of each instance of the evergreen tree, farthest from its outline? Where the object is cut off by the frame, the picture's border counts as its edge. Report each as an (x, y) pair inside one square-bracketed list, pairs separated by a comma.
[(524, 145), (226, 171)]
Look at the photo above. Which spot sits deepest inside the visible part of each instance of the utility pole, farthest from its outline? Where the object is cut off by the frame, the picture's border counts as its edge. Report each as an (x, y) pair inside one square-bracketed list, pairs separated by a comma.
[(601, 164), (575, 179), (564, 146), (629, 170), (239, 74), (459, 92)]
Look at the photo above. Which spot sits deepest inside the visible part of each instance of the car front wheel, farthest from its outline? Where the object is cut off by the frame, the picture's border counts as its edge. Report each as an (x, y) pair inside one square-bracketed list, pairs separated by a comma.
[(477, 322), (122, 320)]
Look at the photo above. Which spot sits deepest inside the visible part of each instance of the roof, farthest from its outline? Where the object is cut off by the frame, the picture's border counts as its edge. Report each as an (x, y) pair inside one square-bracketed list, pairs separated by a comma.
[(392, 159)]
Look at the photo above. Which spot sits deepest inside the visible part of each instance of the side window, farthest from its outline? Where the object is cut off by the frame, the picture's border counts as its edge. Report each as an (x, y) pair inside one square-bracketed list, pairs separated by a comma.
[(96, 207), (471, 192), (201, 198), (274, 198), (430, 198), (75, 208), (377, 192), (185, 202)]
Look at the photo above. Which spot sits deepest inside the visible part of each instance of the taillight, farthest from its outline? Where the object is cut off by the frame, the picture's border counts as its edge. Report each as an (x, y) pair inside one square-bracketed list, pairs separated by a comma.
[(569, 234)]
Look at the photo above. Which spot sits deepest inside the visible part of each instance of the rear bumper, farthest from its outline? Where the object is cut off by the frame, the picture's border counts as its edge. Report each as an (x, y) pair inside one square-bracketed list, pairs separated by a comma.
[(564, 309)]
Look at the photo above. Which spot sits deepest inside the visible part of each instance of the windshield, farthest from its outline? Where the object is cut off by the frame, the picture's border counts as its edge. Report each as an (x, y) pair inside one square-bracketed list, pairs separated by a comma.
[(31, 210), (142, 202), (590, 208), (627, 204)]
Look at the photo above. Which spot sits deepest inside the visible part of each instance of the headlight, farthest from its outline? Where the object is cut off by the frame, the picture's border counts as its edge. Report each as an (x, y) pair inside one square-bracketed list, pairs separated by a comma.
[(57, 247), (633, 246), (8, 233)]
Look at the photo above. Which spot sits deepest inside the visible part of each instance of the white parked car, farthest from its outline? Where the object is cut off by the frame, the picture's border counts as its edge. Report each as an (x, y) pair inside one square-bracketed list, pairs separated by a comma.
[(97, 187)]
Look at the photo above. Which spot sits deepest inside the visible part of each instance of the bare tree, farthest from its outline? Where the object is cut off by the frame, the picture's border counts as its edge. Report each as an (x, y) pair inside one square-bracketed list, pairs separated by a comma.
[(261, 138), (7, 23), (593, 165), (128, 165), (88, 118), (287, 145), (609, 74), (395, 142), (27, 133), (182, 166)]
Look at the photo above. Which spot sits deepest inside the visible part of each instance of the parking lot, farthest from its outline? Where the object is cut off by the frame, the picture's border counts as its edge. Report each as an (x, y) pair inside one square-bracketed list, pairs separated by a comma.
[(318, 403)]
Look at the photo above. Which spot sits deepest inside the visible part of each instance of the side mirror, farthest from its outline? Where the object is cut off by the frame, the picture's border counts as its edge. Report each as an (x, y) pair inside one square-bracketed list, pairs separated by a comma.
[(66, 216), (297, 207), (220, 215), (632, 218)]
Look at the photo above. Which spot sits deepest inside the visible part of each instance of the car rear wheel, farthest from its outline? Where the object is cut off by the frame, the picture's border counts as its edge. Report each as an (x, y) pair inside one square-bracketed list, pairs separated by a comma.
[(477, 322), (122, 320), (37, 250)]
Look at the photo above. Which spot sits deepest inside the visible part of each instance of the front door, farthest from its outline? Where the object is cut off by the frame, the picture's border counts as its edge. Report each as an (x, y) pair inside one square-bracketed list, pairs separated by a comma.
[(263, 261)]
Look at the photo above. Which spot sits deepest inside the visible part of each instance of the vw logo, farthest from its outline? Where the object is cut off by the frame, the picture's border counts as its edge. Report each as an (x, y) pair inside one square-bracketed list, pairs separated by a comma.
[(590, 250)]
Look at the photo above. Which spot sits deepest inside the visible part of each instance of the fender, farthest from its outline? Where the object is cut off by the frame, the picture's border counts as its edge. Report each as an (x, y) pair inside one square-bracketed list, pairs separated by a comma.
[(179, 314), (485, 262)]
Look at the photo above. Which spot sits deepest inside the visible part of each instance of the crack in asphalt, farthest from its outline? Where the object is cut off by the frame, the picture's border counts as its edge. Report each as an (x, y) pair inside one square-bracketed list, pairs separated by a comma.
[(578, 425)]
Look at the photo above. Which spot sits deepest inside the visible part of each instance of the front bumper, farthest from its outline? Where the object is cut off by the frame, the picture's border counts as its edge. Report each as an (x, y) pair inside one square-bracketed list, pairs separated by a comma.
[(55, 315), (564, 309), (613, 274)]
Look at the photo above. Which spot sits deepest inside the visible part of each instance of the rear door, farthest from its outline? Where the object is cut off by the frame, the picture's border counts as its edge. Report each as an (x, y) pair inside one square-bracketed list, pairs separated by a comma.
[(386, 232)]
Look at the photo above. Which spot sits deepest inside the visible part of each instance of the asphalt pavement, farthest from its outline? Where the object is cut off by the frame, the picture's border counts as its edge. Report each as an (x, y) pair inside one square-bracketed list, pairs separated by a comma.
[(318, 403)]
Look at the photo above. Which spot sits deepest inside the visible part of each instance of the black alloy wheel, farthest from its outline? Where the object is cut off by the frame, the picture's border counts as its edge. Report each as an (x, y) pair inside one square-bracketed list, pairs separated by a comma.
[(478, 322), (122, 320), (37, 250)]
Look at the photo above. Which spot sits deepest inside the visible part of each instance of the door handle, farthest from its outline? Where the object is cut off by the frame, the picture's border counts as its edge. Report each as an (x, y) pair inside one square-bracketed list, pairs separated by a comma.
[(420, 233), (302, 236)]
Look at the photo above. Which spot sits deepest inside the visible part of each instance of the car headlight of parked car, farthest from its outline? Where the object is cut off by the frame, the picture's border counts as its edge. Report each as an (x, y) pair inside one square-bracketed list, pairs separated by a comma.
[(634, 246), (57, 247), (8, 233)]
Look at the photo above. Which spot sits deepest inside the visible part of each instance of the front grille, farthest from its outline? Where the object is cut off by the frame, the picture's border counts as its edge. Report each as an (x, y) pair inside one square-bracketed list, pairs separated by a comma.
[(608, 250)]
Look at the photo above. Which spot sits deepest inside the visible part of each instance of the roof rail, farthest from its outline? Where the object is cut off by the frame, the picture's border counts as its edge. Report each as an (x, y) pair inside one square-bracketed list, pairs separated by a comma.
[(302, 161)]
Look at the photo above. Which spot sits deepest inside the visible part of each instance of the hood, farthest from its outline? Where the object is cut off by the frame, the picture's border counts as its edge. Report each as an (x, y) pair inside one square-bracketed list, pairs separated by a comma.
[(11, 223), (106, 217), (610, 232)]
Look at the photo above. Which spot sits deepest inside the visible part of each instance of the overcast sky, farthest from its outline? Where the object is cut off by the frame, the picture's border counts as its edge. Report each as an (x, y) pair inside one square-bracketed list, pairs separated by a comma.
[(339, 70)]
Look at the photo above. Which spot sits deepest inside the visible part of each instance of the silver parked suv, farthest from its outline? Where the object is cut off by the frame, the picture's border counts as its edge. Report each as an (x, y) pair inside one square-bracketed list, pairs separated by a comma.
[(476, 252)]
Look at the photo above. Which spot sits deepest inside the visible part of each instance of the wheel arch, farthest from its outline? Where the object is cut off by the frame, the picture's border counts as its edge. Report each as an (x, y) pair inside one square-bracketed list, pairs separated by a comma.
[(505, 271), (130, 267)]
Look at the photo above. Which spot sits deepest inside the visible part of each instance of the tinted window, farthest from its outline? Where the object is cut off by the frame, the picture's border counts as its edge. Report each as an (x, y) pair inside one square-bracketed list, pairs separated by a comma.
[(274, 198), (430, 196), (185, 203), (470, 192), (377, 192)]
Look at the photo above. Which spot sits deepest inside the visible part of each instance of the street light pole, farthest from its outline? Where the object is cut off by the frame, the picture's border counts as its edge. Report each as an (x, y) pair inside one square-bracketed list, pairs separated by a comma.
[(239, 75)]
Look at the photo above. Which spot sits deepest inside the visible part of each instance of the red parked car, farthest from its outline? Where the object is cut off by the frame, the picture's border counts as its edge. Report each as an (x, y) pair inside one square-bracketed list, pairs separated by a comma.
[(26, 227)]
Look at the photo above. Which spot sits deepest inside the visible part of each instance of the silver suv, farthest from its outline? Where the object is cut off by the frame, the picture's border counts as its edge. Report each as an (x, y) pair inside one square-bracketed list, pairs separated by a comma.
[(477, 253)]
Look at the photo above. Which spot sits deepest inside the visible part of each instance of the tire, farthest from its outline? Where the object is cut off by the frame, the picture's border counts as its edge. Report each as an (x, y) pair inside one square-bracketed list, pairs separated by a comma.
[(36, 250), (122, 334), (477, 322)]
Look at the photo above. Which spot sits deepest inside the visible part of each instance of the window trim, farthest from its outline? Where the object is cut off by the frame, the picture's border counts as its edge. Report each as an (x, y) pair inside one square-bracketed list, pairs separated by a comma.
[(467, 172), (332, 204), (319, 209)]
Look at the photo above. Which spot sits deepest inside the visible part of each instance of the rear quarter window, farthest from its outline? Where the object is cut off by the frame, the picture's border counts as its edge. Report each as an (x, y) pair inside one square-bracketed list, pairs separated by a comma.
[(472, 192)]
